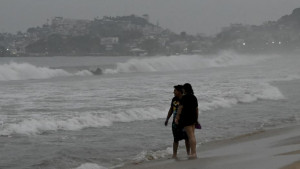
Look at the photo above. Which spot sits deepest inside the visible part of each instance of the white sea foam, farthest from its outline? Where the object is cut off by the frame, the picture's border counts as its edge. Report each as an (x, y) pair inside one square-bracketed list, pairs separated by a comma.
[(39, 125), (184, 62), (90, 166), (269, 92), (211, 100), (226, 95), (212, 97), (152, 155), (83, 73), (25, 71)]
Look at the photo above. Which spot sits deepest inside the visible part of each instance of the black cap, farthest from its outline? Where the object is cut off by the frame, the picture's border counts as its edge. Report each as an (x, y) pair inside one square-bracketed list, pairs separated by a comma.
[(179, 88)]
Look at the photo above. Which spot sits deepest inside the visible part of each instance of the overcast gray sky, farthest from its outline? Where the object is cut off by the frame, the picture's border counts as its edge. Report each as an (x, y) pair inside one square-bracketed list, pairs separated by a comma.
[(192, 16)]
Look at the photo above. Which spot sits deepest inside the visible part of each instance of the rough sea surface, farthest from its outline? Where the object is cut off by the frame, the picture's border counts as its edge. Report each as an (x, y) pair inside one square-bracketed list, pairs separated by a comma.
[(55, 113)]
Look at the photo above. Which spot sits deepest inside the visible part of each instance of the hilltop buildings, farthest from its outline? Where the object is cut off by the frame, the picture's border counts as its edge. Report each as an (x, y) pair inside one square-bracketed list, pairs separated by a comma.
[(135, 35)]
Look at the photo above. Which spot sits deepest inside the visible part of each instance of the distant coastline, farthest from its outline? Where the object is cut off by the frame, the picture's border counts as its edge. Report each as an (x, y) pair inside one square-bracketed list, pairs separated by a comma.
[(136, 36)]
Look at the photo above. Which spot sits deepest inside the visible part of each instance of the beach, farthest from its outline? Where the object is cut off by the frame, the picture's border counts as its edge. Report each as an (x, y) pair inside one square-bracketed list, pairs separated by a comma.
[(277, 148)]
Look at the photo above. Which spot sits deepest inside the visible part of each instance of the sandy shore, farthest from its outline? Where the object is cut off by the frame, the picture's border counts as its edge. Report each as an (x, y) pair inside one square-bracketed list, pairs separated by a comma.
[(273, 149)]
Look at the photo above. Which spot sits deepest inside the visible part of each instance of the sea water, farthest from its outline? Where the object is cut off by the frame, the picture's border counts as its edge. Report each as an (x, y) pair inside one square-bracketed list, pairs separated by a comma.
[(55, 113)]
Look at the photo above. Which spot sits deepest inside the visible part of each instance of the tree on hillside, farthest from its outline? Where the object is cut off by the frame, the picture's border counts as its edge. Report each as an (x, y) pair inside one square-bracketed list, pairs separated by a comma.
[(151, 46), (4, 52)]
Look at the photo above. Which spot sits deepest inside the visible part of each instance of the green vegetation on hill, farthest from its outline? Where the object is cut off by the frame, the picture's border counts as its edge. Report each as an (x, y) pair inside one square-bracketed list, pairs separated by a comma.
[(134, 35), (272, 36)]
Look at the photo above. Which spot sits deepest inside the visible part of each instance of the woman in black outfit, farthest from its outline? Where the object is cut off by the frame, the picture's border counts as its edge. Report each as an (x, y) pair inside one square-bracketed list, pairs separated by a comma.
[(187, 116)]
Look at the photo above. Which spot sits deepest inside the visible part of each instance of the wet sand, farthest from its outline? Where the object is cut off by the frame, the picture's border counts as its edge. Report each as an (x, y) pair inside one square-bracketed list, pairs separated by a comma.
[(272, 149), (295, 165)]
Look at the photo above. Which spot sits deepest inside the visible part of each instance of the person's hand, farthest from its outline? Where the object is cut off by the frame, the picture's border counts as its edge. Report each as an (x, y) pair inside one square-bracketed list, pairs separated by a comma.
[(176, 121), (166, 122)]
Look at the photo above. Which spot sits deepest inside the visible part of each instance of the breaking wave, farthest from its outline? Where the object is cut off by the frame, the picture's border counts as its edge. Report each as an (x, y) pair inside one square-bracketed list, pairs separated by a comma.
[(26, 71), (246, 94), (33, 125), (184, 62), (39, 125)]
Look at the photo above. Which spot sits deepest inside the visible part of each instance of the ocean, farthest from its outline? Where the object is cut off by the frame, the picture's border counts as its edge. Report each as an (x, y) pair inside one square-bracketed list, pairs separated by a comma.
[(56, 114)]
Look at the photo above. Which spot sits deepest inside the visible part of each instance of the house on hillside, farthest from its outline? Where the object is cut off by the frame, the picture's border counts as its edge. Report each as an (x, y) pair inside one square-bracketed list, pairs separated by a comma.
[(109, 42)]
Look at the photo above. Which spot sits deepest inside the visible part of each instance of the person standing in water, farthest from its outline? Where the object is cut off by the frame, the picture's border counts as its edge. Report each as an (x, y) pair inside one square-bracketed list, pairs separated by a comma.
[(187, 116), (178, 132)]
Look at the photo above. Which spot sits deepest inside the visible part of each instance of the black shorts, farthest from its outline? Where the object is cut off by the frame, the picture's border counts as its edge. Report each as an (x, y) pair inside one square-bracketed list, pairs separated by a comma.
[(178, 133)]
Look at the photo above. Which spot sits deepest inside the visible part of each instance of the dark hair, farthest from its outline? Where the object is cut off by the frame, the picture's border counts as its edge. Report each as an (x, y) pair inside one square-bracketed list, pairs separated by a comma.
[(179, 88), (188, 88)]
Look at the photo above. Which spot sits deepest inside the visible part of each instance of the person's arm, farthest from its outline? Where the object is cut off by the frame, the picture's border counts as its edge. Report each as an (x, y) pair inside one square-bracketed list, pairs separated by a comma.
[(197, 113), (178, 114), (168, 116)]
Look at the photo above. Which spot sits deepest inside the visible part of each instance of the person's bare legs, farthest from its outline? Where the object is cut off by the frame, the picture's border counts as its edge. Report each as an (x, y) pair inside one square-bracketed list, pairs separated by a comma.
[(175, 147), (190, 131), (188, 147)]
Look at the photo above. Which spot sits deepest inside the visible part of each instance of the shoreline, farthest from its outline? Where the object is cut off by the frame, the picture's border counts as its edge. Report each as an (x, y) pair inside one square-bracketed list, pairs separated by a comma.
[(295, 165), (274, 148)]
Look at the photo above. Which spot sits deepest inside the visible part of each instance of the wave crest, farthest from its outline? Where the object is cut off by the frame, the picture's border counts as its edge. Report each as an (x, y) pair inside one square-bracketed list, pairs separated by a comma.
[(184, 62), (39, 125), (25, 71)]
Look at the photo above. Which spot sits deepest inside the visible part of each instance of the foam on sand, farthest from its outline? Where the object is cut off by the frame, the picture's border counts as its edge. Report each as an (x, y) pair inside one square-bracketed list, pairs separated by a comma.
[(90, 166), (260, 151)]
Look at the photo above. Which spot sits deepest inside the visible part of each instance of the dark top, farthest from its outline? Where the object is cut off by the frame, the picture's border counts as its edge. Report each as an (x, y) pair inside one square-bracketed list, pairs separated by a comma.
[(177, 130), (188, 115)]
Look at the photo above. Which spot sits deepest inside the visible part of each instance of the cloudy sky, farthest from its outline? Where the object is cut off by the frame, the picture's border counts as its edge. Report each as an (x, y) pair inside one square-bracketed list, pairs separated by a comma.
[(192, 16)]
